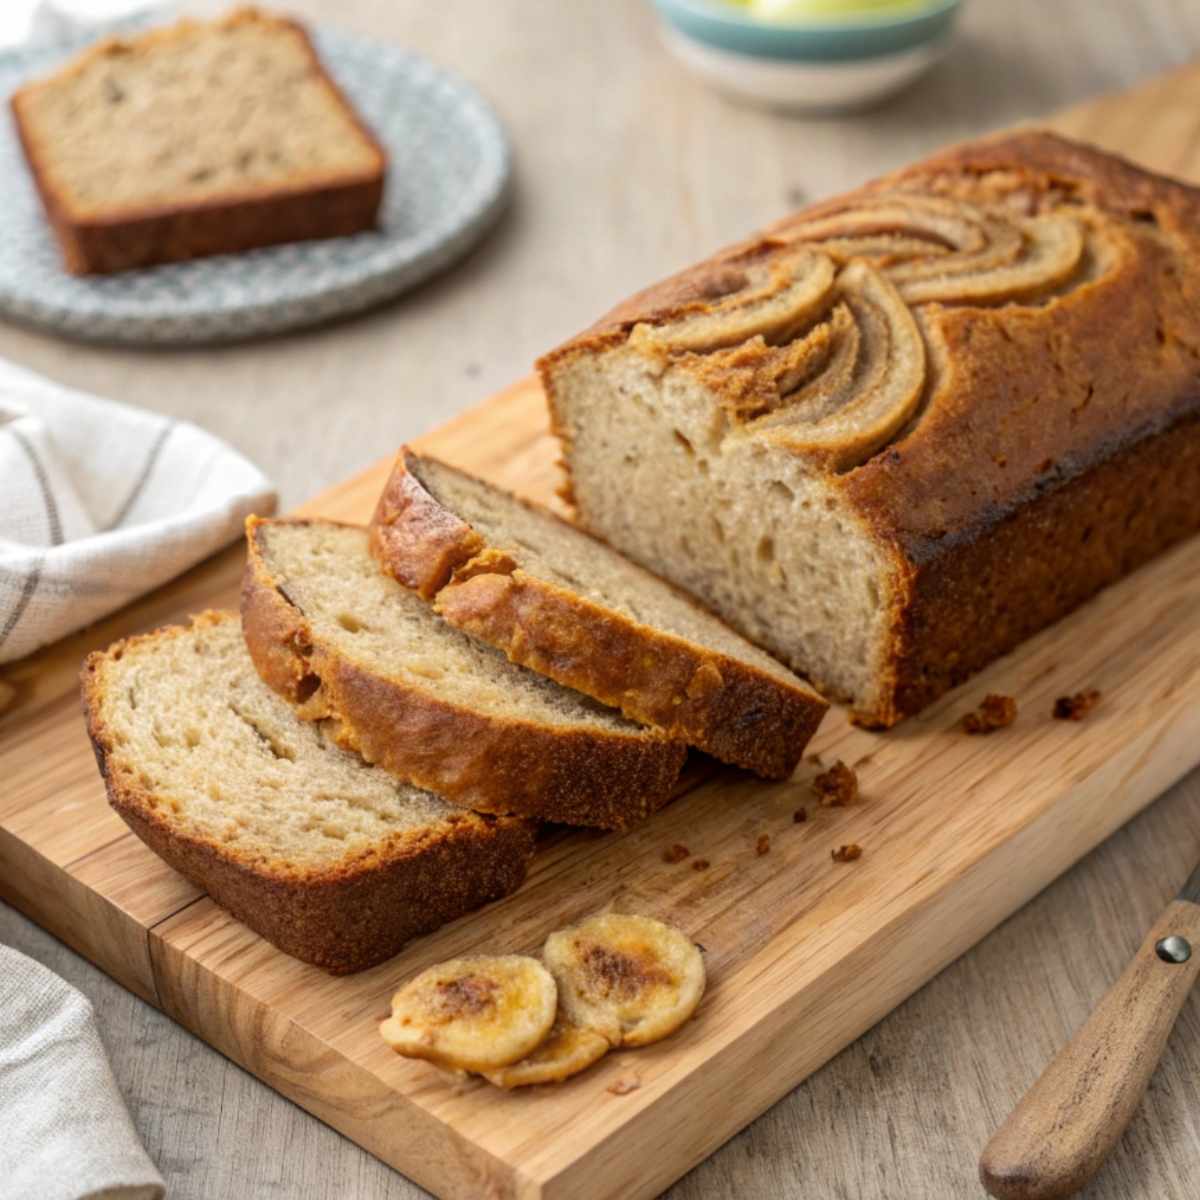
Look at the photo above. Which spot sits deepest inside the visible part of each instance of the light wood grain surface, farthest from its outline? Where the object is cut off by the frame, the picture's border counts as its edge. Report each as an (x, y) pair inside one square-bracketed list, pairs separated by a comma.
[(803, 954), (627, 169)]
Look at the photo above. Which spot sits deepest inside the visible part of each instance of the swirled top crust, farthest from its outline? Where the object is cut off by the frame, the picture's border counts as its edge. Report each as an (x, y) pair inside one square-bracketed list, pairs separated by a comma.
[(950, 340)]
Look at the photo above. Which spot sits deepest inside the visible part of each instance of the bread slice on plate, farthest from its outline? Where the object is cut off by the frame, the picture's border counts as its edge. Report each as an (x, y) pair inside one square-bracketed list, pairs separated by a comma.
[(328, 630), (200, 138), (332, 860), (560, 601)]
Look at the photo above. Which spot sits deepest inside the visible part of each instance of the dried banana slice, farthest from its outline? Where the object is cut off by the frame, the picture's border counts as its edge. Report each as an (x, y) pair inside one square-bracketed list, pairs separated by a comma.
[(568, 1050), (631, 979), (474, 1014)]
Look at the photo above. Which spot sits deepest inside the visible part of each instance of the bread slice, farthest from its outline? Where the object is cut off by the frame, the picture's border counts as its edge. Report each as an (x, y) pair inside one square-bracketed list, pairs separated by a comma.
[(328, 630), (332, 860), (558, 600), (201, 138)]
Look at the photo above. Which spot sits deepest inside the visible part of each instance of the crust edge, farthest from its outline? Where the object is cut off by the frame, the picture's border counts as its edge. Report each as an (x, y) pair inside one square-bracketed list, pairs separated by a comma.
[(347, 919), (491, 764), (708, 699)]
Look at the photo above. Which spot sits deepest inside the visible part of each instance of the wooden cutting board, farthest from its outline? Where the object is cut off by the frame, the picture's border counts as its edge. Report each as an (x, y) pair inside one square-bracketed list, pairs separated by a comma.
[(803, 954)]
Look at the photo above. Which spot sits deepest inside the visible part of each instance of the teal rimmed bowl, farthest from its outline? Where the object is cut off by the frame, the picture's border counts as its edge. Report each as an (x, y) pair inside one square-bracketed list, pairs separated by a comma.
[(810, 64)]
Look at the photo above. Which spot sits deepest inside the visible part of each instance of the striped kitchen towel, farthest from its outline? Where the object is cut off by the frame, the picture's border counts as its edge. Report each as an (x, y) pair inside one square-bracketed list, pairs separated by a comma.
[(100, 502)]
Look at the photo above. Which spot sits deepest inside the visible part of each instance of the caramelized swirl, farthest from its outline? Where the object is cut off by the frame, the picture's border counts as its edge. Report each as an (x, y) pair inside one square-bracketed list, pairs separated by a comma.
[(830, 362), (870, 384), (937, 249), (812, 339), (779, 293)]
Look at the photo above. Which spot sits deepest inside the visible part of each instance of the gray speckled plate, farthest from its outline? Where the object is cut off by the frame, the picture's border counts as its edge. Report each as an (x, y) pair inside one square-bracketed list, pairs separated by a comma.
[(449, 167)]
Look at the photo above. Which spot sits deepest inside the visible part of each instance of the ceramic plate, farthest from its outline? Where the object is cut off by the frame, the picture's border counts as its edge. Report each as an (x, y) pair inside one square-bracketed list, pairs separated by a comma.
[(449, 166)]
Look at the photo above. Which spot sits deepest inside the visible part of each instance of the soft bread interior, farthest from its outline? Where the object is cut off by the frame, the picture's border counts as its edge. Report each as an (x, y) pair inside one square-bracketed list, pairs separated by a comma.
[(550, 549), (202, 740), (760, 537), (189, 113), (327, 571)]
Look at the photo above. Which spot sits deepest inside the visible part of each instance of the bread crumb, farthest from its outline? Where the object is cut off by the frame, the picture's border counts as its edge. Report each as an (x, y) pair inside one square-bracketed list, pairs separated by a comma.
[(622, 1087), (763, 845), (1066, 708), (836, 787), (800, 816), (815, 759), (701, 864), (847, 853), (676, 853), (996, 712)]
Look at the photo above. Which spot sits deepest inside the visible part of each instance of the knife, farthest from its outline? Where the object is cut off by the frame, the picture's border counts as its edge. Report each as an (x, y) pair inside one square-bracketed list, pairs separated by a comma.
[(1059, 1135)]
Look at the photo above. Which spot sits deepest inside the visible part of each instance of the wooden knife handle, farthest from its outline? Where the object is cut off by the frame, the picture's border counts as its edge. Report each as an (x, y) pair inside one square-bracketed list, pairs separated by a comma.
[(1058, 1137)]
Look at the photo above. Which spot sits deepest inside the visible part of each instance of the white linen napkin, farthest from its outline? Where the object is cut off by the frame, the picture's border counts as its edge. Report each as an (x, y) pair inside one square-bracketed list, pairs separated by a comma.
[(66, 1134), (100, 503), (65, 20)]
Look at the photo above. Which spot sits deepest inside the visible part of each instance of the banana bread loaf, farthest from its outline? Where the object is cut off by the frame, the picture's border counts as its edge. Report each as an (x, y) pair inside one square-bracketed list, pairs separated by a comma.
[(196, 139), (905, 429)]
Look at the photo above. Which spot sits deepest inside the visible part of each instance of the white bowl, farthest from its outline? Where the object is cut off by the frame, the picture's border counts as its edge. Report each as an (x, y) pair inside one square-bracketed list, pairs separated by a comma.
[(805, 87)]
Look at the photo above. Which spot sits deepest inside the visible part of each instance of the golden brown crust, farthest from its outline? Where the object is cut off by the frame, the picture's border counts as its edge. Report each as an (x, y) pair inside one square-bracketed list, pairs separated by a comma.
[(728, 708), (149, 235), (344, 919), (488, 763), (1055, 447), (1106, 181), (1003, 585), (417, 541)]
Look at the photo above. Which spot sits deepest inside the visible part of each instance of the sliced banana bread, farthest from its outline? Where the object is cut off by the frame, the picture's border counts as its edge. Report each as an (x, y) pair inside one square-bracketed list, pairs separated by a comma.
[(332, 860), (908, 428), (328, 630), (558, 600), (197, 139)]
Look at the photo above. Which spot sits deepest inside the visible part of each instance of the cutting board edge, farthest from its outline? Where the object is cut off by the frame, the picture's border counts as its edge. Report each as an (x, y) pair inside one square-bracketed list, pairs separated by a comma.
[(474, 1166), (1150, 778)]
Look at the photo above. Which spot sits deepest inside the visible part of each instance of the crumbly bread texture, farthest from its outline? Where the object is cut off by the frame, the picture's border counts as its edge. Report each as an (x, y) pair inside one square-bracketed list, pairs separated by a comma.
[(197, 139), (328, 630), (904, 430), (332, 860), (558, 600)]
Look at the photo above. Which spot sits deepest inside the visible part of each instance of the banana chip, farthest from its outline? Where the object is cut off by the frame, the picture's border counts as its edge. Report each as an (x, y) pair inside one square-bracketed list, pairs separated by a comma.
[(633, 980), (567, 1051), (474, 1014)]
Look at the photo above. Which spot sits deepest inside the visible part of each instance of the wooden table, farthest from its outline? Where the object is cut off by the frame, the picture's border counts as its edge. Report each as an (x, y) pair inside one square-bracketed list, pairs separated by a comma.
[(628, 169)]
